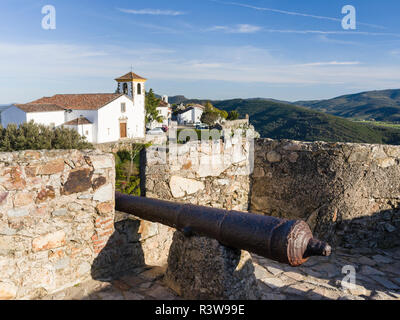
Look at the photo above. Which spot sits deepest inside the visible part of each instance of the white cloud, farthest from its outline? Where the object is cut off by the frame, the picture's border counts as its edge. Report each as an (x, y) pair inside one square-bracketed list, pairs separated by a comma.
[(154, 12), (292, 13), (45, 69), (324, 32), (330, 63), (240, 28)]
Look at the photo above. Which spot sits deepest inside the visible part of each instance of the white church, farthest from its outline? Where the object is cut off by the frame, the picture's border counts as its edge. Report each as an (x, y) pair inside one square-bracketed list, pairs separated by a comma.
[(100, 117)]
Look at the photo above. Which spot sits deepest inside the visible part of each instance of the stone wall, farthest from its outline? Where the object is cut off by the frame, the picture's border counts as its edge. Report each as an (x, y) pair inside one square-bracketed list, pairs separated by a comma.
[(214, 174), (348, 193), (56, 216), (209, 174)]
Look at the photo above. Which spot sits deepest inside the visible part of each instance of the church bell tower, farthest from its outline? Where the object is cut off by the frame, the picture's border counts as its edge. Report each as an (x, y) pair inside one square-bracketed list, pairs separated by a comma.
[(131, 85)]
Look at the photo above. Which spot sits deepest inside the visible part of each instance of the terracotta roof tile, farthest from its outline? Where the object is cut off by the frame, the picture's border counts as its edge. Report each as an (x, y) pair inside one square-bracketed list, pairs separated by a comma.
[(130, 76), (39, 107), (79, 101)]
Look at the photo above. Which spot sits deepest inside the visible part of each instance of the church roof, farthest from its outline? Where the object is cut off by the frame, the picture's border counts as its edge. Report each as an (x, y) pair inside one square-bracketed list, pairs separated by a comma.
[(91, 101), (130, 76), (39, 107), (77, 122)]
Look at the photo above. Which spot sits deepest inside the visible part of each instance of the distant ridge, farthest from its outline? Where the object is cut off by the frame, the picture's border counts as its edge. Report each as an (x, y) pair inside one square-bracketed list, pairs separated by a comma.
[(383, 105)]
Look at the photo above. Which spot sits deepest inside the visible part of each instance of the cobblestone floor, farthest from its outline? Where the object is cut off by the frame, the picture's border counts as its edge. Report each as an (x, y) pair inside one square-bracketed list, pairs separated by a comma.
[(377, 278)]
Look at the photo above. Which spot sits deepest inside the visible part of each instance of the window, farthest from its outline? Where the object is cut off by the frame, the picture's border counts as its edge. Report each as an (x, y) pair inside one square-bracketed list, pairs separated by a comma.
[(108, 131), (139, 88), (86, 133), (125, 88), (123, 107)]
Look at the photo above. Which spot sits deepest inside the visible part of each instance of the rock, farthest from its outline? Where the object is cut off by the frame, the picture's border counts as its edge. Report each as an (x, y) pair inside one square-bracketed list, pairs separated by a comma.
[(98, 182), (8, 291), (17, 213), (358, 290), (79, 180), (379, 295), (105, 208), (323, 293), (294, 275), (367, 270), (273, 156), (104, 194), (102, 162), (120, 285), (382, 259), (52, 167), (60, 212), (389, 228), (23, 199), (273, 296), (49, 241), (182, 186), (201, 268), (385, 282), (261, 273), (331, 270), (133, 296), (160, 293), (366, 261), (62, 263), (298, 289), (3, 197), (293, 157), (110, 295), (258, 172), (45, 194), (273, 283), (84, 268), (14, 179)]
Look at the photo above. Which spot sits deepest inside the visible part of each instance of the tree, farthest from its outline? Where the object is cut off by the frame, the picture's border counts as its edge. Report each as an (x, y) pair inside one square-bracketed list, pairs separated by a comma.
[(151, 105), (233, 115), (210, 118)]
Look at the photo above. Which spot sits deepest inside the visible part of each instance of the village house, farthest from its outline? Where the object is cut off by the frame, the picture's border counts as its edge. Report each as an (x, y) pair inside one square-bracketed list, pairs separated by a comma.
[(190, 115), (165, 111), (100, 117)]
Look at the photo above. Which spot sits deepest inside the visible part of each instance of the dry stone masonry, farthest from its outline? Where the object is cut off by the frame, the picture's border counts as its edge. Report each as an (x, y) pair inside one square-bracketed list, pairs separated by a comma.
[(56, 215), (348, 193), (209, 173)]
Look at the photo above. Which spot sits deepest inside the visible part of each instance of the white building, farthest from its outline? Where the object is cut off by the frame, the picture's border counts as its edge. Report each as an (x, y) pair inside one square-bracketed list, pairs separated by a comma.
[(165, 111), (100, 117), (190, 115)]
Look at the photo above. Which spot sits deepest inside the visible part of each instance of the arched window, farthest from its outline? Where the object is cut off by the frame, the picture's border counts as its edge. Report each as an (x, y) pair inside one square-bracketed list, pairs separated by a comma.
[(139, 88), (125, 88)]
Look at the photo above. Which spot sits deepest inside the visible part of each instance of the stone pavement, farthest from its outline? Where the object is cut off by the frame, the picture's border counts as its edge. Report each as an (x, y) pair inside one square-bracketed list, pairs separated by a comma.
[(377, 278)]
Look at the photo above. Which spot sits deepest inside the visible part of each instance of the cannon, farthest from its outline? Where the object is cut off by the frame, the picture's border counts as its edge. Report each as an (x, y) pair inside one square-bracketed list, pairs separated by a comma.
[(286, 241)]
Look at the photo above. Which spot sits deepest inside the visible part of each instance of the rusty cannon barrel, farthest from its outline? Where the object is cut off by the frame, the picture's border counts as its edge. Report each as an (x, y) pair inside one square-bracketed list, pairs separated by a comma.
[(286, 241)]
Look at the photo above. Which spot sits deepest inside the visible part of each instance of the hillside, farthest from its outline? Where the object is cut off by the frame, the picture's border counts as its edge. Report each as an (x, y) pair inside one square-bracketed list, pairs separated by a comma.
[(284, 121), (378, 105)]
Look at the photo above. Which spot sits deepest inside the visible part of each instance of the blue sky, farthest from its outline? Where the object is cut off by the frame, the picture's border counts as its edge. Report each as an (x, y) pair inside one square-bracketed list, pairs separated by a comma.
[(286, 49)]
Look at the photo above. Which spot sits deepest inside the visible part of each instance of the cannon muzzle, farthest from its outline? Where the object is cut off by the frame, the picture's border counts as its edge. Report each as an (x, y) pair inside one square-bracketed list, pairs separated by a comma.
[(285, 241)]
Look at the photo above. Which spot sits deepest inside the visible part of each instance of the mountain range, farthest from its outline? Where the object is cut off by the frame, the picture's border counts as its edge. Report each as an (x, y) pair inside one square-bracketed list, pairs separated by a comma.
[(381, 105), (333, 120)]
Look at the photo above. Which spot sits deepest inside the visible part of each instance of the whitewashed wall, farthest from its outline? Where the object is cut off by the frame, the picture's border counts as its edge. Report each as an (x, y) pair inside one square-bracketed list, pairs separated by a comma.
[(109, 120), (85, 130), (91, 115), (47, 118), (191, 116)]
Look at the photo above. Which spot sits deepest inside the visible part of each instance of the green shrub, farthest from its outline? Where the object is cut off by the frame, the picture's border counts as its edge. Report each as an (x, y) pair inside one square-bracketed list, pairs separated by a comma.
[(32, 136)]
